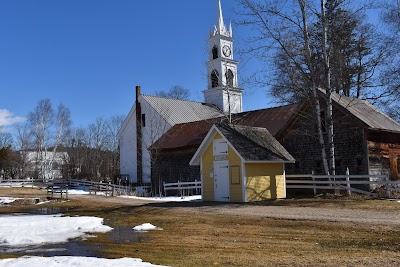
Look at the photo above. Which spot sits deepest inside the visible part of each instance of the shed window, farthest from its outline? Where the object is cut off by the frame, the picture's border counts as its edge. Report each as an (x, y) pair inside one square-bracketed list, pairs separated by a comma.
[(220, 147), (235, 175)]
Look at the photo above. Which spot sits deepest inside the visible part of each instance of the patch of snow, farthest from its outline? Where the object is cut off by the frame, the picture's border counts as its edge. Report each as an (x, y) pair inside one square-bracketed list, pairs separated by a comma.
[(398, 201), (7, 200), (77, 192), (146, 227), (30, 230), (168, 199), (74, 261)]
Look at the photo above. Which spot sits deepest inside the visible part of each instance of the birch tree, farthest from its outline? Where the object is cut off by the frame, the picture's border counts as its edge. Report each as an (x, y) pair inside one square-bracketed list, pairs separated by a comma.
[(41, 120), (284, 27)]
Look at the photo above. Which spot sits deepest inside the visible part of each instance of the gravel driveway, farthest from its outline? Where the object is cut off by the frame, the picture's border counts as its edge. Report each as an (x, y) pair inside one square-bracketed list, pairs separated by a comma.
[(267, 211)]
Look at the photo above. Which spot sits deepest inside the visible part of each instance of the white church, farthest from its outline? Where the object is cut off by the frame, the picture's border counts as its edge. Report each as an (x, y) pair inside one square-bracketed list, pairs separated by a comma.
[(152, 116)]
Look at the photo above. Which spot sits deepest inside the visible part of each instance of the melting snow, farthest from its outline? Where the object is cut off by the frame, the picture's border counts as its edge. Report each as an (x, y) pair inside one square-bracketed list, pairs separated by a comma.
[(146, 227), (30, 230), (73, 261), (6, 200), (167, 199)]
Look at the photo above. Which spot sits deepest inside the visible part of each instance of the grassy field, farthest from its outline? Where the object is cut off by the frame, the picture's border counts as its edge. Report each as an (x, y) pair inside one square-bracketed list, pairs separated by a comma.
[(204, 239)]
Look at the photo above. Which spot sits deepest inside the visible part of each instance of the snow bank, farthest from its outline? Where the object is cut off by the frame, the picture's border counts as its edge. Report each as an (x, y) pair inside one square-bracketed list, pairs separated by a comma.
[(167, 199), (146, 227), (73, 261), (26, 230), (6, 200), (77, 192)]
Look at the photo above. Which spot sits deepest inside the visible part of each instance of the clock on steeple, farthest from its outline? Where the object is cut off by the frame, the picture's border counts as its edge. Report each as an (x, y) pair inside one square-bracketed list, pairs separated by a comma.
[(223, 90)]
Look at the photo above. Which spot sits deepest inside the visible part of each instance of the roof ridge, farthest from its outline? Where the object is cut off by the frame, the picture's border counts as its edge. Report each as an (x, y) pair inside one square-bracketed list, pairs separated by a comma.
[(174, 99)]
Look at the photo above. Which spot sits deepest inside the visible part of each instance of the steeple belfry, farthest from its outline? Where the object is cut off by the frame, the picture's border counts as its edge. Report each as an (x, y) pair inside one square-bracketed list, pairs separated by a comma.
[(223, 90)]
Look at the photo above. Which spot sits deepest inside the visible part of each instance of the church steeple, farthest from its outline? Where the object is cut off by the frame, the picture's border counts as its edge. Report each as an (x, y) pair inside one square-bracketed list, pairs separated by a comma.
[(223, 90), (220, 28)]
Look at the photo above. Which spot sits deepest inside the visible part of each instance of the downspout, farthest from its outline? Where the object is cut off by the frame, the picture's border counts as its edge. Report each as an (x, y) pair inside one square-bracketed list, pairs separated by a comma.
[(139, 135)]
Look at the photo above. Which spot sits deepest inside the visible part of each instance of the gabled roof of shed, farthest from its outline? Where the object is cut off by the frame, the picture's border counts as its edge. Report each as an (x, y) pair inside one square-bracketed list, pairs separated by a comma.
[(192, 134), (255, 143), (252, 144)]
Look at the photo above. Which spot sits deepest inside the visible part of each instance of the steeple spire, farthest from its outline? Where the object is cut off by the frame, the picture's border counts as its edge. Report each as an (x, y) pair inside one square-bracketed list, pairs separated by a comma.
[(220, 19), (220, 28)]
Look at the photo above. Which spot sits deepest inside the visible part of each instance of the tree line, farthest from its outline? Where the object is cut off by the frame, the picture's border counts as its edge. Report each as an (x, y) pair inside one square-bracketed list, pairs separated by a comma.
[(47, 141)]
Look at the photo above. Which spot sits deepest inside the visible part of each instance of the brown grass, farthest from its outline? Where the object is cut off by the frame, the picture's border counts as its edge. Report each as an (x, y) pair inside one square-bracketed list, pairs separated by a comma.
[(202, 239)]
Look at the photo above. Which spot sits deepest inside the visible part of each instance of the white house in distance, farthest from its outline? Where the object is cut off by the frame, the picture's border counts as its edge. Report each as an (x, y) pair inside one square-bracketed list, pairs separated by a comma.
[(46, 165), (151, 116)]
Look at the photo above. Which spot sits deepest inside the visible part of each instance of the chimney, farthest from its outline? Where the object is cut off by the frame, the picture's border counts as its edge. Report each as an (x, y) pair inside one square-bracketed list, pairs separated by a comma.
[(139, 136), (137, 93)]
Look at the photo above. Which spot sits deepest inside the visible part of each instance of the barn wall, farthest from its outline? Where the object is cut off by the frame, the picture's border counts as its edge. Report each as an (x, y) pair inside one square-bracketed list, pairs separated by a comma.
[(173, 166), (384, 153), (301, 141)]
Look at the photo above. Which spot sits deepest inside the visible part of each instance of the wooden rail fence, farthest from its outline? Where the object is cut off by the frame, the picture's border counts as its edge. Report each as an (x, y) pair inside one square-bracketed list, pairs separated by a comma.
[(183, 188), (347, 183)]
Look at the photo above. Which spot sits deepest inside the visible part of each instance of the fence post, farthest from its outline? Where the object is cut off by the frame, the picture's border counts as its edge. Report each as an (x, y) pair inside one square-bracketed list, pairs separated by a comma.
[(165, 191), (315, 188), (348, 181), (388, 192)]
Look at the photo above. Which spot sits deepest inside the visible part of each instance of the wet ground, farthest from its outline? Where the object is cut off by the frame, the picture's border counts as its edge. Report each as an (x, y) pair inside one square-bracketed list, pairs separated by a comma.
[(76, 247)]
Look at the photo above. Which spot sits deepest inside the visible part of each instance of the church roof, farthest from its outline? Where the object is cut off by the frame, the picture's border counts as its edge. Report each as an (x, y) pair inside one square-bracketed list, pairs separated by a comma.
[(252, 144), (176, 111), (192, 134)]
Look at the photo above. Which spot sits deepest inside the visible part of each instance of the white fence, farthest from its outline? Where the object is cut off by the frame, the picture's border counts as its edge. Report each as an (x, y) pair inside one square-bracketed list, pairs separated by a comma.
[(19, 182), (184, 188), (343, 182)]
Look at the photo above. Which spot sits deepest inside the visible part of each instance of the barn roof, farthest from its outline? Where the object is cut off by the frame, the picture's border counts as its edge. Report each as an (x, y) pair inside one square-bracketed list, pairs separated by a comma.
[(252, 144), (367, 113), (192, 134)]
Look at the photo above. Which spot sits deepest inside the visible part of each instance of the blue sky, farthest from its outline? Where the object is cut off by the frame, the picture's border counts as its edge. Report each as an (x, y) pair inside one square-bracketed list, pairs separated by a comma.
[(90, 55)]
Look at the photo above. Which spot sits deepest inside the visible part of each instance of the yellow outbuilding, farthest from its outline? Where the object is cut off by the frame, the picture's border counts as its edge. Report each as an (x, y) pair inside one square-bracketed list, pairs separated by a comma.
[(241, 164)]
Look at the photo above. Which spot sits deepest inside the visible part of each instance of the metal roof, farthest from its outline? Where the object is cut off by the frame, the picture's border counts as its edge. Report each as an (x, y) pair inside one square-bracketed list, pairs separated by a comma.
[(176, 111), (192, 134), (367, 113)]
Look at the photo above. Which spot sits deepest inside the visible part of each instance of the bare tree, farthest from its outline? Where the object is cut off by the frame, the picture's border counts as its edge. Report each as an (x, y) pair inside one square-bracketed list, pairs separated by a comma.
[(23, 144), (390, 76), (6, 139), (41, 121), (284, 27), (175, 92), (113, 126)]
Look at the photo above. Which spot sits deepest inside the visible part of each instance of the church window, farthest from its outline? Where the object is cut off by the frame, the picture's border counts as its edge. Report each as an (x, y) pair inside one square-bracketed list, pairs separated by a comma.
[(229, 78), (214, 79), (215, 52)]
